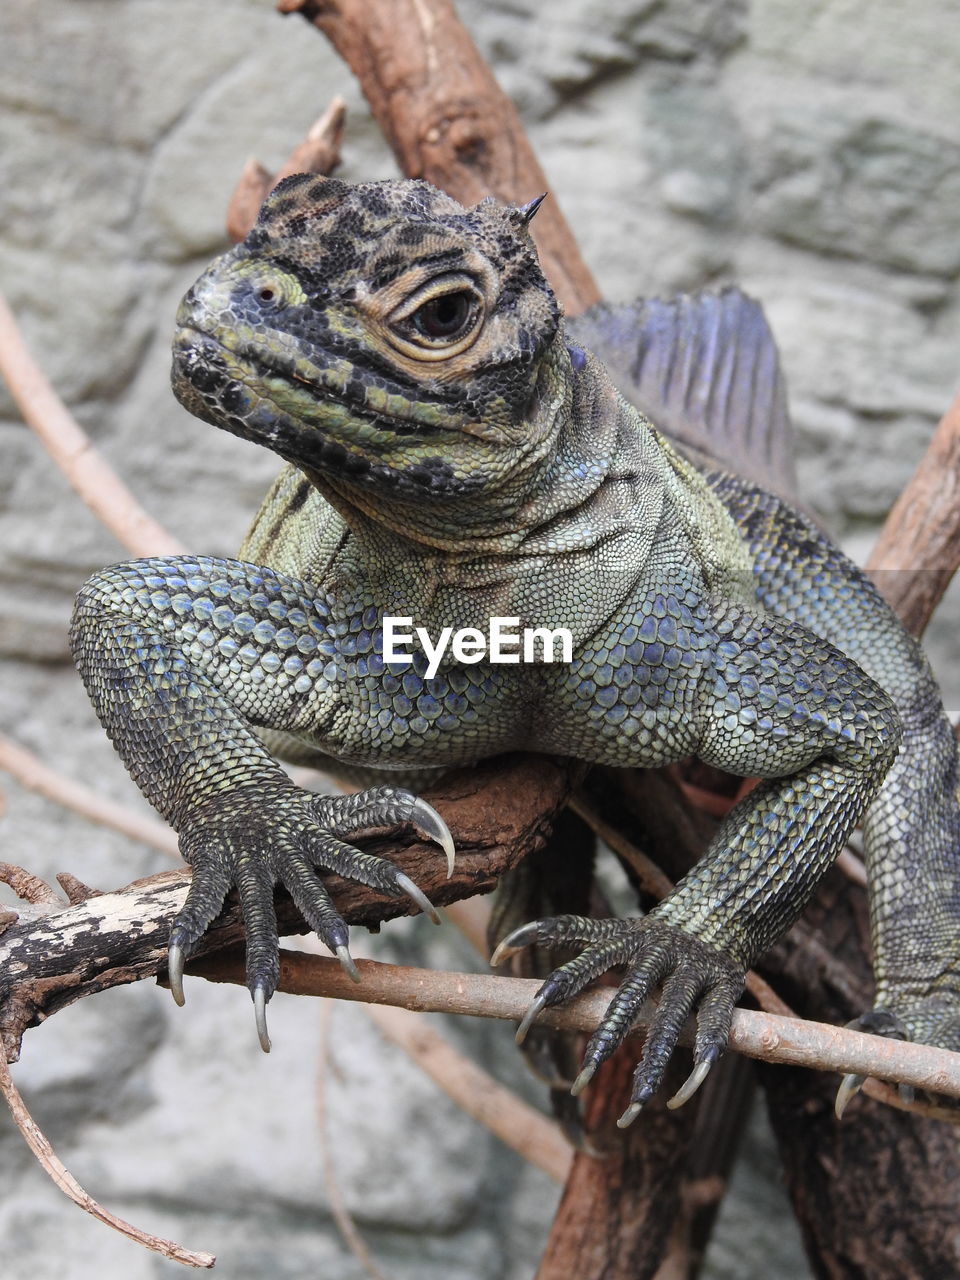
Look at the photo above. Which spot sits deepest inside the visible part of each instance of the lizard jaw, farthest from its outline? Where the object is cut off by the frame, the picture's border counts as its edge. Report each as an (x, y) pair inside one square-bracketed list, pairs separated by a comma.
[(307, 421)]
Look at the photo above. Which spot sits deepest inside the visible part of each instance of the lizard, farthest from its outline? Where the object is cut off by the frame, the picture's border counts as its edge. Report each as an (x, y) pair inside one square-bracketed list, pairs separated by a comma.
[(453, 454)]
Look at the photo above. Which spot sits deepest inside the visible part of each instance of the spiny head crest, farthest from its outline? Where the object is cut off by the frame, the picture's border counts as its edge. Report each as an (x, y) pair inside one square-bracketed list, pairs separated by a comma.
[(525, 212)]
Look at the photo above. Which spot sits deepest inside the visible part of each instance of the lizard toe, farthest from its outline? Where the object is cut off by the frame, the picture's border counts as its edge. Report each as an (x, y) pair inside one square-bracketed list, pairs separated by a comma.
[(606, 946), (562, 931), (693, 975), (640, 979), (255, 888), (328, 852), (209, 885), (383, 807), (685, 991), (314, 903), (931, 1020), (277, 834)]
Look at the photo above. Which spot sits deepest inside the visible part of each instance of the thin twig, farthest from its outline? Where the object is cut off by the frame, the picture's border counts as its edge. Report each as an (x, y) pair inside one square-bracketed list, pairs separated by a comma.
[(28, 887), (472, 918), (513, 1121), (72, 450), (888, 1095), (766, 1036), (55, 1169), (338, 1207), (319, 152), (852, 867), (518, 1125), (650, 877), (30, 771)]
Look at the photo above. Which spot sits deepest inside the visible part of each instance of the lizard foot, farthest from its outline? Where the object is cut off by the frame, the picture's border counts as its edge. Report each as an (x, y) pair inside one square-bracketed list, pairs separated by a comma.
[(928, 1022), (256, 837), (692, 976)]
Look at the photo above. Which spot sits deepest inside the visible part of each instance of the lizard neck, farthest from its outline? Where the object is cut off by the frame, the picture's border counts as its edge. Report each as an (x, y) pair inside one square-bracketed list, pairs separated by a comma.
[(586, 470), (576, 435), (491, 514)]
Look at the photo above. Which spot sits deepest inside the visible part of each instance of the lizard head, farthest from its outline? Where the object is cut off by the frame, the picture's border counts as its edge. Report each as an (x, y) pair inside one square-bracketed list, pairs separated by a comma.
[(384, 338)]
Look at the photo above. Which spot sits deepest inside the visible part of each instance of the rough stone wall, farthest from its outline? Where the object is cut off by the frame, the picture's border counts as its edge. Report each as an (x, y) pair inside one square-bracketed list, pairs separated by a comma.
[(810, 153)]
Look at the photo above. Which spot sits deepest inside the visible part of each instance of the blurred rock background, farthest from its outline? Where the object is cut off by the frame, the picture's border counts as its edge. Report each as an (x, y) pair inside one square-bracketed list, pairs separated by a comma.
[(810, 153)]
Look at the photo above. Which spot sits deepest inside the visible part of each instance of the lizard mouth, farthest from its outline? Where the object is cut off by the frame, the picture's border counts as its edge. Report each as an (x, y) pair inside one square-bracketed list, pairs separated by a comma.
[(324, 421), (340, 385)]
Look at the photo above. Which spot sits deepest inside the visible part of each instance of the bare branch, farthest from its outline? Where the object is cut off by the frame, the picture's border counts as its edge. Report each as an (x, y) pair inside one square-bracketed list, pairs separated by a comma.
[(649, 876), (472, 918), (766, 1036), (71, 449), (57, 1171), (338, 1208), (29, 888), (918, 550), (852, 867), (498, 812), (511, 1119), (120, 937), (319, 152), (514, 1121), (30, 771), (446, 117)]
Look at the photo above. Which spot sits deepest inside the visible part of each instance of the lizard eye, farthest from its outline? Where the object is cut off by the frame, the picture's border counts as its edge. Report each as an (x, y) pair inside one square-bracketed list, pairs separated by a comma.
[(447, 316), (439, 320)]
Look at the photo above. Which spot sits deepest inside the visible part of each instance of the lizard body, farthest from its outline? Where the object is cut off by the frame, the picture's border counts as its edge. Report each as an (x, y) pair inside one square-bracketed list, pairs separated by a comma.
[(454, 456)]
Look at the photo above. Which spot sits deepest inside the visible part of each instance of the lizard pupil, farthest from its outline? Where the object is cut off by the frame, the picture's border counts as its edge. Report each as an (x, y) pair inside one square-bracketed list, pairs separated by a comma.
[(445, 316)]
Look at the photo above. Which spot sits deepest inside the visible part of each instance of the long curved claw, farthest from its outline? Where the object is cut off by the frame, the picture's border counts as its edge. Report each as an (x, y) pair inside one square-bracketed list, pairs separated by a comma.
[(426, 819), (260, 1013), (692, 1083), (850, 1086), (537, 1004), (514, 942), (175, 972), (630, 1115), (584, 1078), (347, 964), (419, 897)]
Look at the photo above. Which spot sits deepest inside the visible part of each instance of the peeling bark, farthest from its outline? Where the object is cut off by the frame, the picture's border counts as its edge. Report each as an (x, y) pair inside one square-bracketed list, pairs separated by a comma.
[(498, 813)]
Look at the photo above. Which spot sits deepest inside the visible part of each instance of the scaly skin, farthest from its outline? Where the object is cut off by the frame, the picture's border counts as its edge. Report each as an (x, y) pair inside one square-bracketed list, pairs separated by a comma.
[(454, 457)]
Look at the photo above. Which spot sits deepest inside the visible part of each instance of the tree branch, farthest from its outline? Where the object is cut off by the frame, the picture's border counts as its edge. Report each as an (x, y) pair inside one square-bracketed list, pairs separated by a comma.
[(498, 813), (918, 550), (57, 1171), (446, 118), (475, 1092), (319, 152), (72, 450), (766, 1036), (30, 771), (114, 938)]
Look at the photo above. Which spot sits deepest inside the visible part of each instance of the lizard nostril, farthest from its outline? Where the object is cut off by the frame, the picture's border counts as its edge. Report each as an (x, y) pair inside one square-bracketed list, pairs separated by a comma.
[(267, 294)]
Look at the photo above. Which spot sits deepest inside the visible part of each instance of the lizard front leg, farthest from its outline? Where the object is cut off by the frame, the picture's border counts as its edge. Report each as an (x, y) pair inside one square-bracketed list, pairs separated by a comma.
[(180, 658), (776, 702), (912, 829)]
